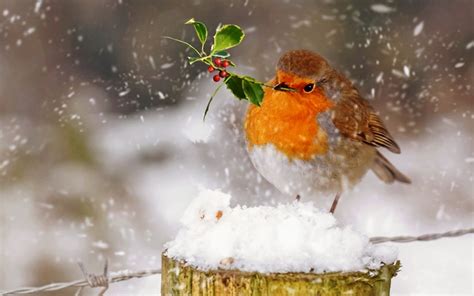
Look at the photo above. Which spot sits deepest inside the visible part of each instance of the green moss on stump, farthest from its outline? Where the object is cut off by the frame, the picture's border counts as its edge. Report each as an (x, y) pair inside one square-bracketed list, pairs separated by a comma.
[(180, 279)]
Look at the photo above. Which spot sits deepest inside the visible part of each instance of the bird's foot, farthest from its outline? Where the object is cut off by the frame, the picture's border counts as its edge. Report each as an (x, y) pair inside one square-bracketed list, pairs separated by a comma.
[(334, 203)]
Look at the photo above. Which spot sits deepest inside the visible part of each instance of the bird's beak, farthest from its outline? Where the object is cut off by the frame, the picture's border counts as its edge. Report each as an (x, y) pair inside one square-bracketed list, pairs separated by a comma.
[(283, 87)]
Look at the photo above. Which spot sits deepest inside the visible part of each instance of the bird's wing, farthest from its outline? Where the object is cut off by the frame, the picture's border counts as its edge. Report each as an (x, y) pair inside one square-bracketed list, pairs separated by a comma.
[(386, 171), (355, 118)]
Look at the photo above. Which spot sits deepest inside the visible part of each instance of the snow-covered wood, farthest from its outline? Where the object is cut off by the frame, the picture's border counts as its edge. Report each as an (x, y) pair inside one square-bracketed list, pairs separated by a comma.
[(287, 249), (181, 279)]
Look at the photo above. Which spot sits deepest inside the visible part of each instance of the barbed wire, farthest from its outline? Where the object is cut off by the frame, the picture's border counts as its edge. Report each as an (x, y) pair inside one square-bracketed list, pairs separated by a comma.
[(114, 277), (422, 238), (104, 279)]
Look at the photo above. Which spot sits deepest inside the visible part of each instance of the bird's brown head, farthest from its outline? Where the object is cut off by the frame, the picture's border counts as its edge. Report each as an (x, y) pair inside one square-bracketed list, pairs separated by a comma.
[(305, 64), (303, 73)]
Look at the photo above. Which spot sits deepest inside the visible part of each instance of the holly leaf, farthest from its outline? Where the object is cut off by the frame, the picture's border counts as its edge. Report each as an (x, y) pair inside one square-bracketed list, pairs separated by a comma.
[(234, 84), (226, 37), (253, 91), (222, 54), (200, 28)]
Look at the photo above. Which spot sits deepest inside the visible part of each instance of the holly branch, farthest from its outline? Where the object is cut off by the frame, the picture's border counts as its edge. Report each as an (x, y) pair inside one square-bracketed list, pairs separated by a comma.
[(226, 37)]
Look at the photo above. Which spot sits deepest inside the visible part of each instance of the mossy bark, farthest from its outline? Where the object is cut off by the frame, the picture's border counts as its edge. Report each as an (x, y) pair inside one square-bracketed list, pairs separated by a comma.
[(178, 278)]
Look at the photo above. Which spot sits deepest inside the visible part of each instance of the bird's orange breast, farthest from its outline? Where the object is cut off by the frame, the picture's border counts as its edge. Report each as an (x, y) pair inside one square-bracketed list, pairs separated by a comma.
[(288, 121)]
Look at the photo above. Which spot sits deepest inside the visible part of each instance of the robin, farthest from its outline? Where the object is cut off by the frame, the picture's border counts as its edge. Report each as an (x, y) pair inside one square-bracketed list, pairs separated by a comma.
[(314, 134)]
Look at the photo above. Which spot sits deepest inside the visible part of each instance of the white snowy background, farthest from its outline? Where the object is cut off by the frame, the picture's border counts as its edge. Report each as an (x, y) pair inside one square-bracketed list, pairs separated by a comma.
[(102, 145)]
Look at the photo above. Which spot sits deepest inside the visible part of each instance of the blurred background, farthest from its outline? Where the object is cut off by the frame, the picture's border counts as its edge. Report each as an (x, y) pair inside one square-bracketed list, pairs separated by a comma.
[(102, 143)]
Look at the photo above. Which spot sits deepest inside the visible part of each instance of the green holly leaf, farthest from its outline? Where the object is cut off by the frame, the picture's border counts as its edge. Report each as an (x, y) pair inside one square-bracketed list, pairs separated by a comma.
[(226, 37), (222, 54), (234, 84), (253, 91), (200, 28)]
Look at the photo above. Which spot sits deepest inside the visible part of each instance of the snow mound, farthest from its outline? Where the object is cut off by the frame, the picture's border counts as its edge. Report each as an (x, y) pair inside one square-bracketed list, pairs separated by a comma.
[(295, 237)]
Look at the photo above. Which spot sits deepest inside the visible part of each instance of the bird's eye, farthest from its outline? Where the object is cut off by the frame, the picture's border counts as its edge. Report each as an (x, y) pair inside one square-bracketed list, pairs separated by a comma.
[(308, 87)]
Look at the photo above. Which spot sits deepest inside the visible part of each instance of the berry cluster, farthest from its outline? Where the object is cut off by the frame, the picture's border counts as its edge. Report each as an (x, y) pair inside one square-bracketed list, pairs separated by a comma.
[(221, 65)]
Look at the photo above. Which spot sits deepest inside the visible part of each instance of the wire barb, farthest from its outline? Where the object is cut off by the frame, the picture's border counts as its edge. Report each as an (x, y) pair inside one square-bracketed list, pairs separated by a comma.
[(95, 281), (114, 277)]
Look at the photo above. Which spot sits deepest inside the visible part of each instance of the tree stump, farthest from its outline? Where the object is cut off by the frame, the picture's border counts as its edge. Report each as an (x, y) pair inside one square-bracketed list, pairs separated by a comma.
[(177, 278)]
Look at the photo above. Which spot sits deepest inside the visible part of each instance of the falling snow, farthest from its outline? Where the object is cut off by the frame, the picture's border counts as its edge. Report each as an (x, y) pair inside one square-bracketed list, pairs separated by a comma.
[(166, 65), (406, 71), (418, 29), (38, 5), (381, 8), (103, 143), (124, 93)]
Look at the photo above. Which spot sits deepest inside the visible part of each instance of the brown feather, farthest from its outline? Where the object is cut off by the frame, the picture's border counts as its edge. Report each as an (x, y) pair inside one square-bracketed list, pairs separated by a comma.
[(381, 135), (355, 118), (386, 171)]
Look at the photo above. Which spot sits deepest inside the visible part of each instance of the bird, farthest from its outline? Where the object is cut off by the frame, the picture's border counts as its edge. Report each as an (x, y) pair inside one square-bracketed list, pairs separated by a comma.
[(314, 134)]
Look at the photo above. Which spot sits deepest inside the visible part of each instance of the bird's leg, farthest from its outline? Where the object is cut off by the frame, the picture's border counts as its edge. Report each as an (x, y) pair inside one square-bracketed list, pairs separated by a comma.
[(334, 203), (298, 197)]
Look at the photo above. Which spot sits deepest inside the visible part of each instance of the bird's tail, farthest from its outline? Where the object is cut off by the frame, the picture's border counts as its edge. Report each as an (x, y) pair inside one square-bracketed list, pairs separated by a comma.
[(386, 171)]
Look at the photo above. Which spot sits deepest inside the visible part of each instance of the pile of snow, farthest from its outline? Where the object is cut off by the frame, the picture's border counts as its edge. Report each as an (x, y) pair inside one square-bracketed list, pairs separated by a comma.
[(295, 237)]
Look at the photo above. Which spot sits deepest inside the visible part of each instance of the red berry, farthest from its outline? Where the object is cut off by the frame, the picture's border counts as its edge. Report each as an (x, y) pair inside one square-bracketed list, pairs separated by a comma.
[(223, 73), (216, 78), (211, 69), (225, 63), (217, 62)]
